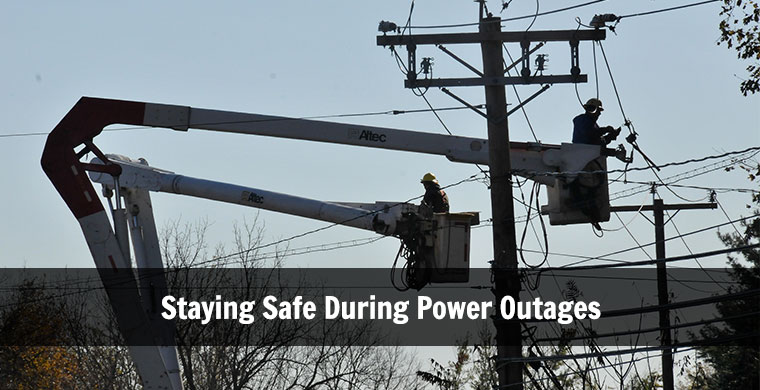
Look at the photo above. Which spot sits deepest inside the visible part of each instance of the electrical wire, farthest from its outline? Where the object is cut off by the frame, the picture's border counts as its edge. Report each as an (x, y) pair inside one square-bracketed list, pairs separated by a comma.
[(323, 228), (614, 85), (727, 217), (667, 9), (545, 248), (517, 95), (440, 120), (646, 186), (670, 181), (694, 187), (627, 277), (605, 257), (349, 115), (554, 327), (666, 165), (655, 261), (616, 313), (649, 330), (625, 224), (683, 240), (317, 248), (309, 232), (596, 73), (265, 256), (534, 17), (715, 341), (633, 237), (667, 187), (408, 23), (632, 131), (554, 11), (421, 94)]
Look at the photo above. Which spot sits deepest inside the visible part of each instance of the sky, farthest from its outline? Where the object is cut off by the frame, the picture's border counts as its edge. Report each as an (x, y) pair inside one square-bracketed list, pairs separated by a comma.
[(307, 58), (302, 59)]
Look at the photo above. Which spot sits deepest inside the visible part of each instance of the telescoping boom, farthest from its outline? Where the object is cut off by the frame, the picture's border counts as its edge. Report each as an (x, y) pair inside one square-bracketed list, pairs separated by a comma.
[(433, 241)]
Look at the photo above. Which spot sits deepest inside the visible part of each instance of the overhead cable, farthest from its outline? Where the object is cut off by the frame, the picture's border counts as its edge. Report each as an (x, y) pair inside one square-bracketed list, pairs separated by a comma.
[(349, 115), (667, 9), (655, 261), (533, 15)]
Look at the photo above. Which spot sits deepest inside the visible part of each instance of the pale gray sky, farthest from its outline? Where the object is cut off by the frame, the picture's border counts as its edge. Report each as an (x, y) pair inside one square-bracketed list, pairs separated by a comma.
[(298, 58), (304, 58)]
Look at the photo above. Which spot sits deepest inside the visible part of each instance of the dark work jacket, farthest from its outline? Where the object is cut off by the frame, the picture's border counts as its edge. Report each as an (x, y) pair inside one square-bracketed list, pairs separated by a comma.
[(436, 198), (586, 131)]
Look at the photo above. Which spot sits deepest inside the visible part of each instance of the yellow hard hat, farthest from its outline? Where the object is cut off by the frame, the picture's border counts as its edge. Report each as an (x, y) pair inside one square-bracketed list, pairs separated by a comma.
[(593, 105), (428, 177)]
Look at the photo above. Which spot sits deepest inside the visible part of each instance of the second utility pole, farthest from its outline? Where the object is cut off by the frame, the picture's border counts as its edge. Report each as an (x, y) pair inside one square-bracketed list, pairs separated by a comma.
[(658, 208), (506, 278)]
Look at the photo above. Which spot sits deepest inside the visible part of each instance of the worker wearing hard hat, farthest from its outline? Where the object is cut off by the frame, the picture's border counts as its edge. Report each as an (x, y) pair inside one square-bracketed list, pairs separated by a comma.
[(435, 198), (585, 129)]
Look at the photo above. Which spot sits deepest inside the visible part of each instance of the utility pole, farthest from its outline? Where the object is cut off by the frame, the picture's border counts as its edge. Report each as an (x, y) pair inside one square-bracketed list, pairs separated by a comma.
[(662, 293), (658, 208), (506, 277), (493, 79)]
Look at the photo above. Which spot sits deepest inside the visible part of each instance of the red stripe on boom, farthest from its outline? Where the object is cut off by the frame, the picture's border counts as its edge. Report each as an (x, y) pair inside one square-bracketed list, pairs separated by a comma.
[(83, 122)]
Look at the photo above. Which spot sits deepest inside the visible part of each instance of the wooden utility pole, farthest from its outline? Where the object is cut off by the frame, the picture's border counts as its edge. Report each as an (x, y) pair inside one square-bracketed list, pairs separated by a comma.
[(493, 79), (662, 294), (506, 278), (658, 208)]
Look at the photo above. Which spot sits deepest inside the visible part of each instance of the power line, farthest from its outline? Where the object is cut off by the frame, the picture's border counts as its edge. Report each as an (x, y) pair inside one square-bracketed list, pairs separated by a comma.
[(715, 341), (647, 330), (667, 9), (30, 134), (655, 261), (517, 94), (533, 15), (606, 256), (317, 248), (694, 187), (350, 115), (727, 217), (274, 243), (217, 260), (705, 254), (646, 186), (666, 165), (627, 277), (683, 240)]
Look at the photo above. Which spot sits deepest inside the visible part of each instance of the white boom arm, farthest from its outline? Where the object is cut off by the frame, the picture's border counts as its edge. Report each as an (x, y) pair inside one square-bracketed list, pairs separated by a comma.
[(138, 175), (108, 243), (526, 157)]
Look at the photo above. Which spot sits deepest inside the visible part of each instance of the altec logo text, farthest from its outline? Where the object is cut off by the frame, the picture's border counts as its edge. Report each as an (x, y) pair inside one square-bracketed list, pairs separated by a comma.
[(367, 135)]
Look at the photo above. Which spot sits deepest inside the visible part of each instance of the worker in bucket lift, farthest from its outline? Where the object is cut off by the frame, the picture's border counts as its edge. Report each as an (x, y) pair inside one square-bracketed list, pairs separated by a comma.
[(435, 198), (586, 131)]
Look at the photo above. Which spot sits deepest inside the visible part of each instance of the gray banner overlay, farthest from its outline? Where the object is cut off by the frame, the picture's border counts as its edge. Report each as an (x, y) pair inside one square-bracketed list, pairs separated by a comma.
[(361, 307)]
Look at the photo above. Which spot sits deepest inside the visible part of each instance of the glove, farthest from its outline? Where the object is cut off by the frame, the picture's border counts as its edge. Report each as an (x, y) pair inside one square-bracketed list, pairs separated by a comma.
[(611, 134)]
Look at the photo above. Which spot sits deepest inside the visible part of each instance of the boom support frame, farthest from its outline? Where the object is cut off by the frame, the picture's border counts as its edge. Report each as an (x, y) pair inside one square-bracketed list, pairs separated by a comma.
[(73, 137)]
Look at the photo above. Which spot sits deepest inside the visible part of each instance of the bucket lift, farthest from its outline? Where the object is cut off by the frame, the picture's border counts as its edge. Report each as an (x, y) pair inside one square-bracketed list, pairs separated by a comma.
[(437, 246)]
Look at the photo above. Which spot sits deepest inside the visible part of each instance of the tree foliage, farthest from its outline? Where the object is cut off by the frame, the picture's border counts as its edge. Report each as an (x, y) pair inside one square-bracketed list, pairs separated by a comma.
[(30, 322), (736, 363), (740, 29)]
